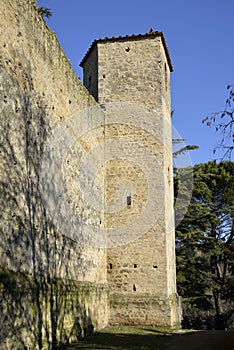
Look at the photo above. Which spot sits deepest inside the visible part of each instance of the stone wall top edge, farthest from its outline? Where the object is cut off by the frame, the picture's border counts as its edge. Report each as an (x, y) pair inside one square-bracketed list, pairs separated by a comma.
[(48, 39)]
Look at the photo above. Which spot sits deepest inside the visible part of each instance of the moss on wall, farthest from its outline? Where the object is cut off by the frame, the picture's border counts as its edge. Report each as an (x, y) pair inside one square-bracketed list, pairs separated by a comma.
[(39, 314)]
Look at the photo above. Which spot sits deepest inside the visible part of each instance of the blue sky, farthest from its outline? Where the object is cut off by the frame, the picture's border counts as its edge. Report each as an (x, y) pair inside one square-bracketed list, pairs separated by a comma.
[(200, 37)]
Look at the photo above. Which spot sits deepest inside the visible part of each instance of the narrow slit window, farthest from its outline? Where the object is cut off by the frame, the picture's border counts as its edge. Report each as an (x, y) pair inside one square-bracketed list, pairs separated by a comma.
[(129, 201), (134, 288), (111, 266), (135, 266)]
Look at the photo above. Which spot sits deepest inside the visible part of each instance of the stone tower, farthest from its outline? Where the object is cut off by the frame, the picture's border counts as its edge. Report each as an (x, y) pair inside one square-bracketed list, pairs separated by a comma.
[(141, 271)]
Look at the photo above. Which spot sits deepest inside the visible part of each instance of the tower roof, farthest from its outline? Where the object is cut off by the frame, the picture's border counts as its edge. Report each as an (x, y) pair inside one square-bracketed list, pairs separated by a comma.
[(151, 34)]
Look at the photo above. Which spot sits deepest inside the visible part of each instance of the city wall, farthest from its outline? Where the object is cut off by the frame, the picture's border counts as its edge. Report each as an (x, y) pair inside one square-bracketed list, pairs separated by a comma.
[(52, 287)]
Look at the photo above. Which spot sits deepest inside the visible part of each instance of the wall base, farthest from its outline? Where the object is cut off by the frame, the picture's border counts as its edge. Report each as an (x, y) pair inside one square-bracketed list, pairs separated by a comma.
[(40, 314), (143, 309)]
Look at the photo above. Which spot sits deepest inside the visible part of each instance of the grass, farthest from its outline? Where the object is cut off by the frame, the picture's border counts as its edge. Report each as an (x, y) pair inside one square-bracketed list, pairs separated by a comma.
[(126, 338), (154, 338)]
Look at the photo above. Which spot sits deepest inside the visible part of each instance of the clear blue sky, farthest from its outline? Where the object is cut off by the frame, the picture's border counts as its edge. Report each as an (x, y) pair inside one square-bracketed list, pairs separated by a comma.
[(200, 37)]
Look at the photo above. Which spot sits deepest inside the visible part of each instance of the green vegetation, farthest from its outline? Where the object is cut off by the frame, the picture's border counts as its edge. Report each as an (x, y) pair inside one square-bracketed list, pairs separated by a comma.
[(205, 246), (45, 12), (153, 338), (125, 338)]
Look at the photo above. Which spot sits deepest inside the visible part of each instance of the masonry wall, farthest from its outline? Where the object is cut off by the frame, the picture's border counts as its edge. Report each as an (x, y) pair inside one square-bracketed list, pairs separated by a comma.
[(39, 91), (134, 77), (91, 74), (133, 71), (40, 314)]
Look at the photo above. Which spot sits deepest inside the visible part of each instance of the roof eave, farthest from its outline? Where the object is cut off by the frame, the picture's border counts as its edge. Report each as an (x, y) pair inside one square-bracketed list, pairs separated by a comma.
[(127, 37)]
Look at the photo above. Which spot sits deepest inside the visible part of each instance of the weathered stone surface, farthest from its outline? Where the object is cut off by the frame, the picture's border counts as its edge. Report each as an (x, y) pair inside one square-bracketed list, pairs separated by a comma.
[(39, 314), (54, 278), (39, 91), (147, 309), (37, 86), (136, 70)]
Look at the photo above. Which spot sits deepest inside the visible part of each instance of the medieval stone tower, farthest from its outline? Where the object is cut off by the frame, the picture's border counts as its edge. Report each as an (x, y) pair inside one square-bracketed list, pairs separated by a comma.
[(140, 272)]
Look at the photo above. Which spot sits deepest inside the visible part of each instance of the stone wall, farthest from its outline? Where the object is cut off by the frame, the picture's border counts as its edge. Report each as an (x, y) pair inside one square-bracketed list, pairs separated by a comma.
[(154, 309), (40, 314), (39, 92), (134, 86), (53, 285), (91, 74)]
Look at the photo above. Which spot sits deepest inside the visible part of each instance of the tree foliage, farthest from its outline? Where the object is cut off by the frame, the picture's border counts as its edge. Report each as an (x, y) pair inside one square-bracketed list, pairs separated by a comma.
[(205, 237), (179, 148), (223, 121), (178, 151), (45, 12)]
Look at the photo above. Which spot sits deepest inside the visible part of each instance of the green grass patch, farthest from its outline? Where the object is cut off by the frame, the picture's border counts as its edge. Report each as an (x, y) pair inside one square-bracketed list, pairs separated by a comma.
[(126, 338)]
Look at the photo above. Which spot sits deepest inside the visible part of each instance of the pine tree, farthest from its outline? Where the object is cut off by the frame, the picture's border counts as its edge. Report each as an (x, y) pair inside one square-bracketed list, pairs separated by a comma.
[(205, 237)]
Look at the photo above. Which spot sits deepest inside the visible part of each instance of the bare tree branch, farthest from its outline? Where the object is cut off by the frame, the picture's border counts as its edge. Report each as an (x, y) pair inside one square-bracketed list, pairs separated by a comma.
[(223, 122)]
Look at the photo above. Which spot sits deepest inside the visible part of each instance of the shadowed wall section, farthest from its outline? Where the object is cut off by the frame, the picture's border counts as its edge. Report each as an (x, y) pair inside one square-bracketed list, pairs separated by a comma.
[(42, 303)]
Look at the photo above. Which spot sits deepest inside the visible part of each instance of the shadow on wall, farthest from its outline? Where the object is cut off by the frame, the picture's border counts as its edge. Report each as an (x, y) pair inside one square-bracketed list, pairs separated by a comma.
[(36, 314), (37, 310)]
